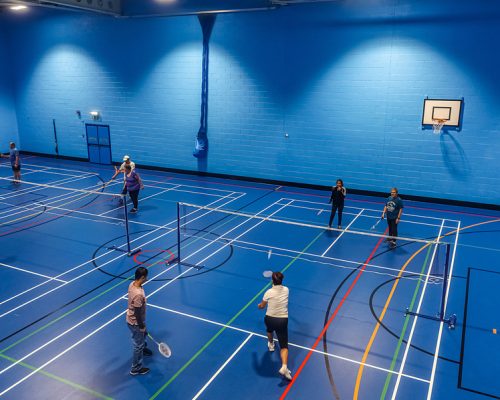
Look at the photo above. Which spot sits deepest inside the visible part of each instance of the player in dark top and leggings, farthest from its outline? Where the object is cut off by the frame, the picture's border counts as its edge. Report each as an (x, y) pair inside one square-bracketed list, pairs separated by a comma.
[(393, 209), (133, 184), (337, 200)]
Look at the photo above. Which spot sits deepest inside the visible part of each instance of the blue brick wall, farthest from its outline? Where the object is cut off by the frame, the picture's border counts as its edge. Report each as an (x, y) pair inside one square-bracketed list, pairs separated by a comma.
[(346, 81), (8, 122), (142, 75)]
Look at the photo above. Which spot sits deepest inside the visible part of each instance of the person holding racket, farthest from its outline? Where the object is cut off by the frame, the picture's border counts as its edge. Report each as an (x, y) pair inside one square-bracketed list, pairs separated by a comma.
[(133, 184), (337, 199), (126, 161), (15, 162), (276, 319), (136, 321), (393, 208)]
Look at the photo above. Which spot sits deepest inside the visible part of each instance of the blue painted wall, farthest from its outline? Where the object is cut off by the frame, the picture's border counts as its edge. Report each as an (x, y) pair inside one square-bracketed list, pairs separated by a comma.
[(142, 75), (8, 122), (346, 81)]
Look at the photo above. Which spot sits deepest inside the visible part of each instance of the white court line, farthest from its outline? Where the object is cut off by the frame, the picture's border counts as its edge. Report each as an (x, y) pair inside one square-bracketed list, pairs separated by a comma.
[(309, 225), (343, 231), (379, 211), (438, 343), (415, 319), (184, 191), (89, 261), (265, 249), (373, 216), (120, 314), (191, 186), (44, 169), (75, 195), (103, 214), (30, 272), (62, 169), (222, 367), (27, 190), (234, 328)]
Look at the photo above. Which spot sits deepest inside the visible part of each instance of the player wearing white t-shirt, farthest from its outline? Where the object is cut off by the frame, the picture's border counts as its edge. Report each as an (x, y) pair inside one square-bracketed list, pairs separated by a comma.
[(276, 319)]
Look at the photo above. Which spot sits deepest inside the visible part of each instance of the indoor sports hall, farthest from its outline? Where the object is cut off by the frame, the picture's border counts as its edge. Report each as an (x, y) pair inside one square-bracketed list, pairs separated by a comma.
[(249, 199)]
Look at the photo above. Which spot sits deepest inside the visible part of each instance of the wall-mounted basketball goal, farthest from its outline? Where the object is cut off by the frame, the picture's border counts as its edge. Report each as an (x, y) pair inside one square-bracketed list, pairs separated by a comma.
[(441, 113)]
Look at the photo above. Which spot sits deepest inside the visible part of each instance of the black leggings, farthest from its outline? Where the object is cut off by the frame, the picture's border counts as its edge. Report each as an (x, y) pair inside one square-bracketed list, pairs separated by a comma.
[(393, 228), (340, 207), (134, 195)]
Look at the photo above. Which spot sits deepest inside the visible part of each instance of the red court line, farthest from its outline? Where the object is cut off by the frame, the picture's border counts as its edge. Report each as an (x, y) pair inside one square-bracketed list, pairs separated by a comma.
[(335, 312)]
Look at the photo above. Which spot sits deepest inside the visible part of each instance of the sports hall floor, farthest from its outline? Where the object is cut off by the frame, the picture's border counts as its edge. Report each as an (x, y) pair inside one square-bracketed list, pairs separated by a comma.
[(63, 292)]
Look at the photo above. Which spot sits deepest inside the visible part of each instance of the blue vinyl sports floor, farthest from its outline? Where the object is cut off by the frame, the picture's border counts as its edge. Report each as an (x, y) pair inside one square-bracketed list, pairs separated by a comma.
[(63, 292)]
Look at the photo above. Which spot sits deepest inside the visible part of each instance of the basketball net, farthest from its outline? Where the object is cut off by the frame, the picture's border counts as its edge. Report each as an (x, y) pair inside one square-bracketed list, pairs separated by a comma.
[(437, 125)]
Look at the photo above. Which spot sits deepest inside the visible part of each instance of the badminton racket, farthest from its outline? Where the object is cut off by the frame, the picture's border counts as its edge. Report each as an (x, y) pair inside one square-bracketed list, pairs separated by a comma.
[(267, 274), (163, 348), (376, 223)]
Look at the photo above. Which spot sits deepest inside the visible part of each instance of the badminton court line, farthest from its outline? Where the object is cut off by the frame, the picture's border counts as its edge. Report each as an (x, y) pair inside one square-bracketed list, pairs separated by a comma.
[(121, 313), (75, 195), (438, 343), (96, 268), (223, 366), (343, 231), (69, 330), (28, 190), (308, 225), (415, 319), (40, 168), (414, 274), (234, 328), (192, 186), (31, 272), (111, 251), (379, 211), (79, 171)]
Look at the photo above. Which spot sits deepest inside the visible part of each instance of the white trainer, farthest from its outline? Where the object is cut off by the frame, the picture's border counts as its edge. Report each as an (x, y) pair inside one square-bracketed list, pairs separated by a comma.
[(270, 345), (285, 373)]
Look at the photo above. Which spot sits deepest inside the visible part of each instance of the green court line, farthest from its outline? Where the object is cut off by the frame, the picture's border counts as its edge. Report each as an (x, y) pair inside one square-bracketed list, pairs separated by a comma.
[(58, 378), (213, 338), (403, 331), (64, 315), (42, 328)]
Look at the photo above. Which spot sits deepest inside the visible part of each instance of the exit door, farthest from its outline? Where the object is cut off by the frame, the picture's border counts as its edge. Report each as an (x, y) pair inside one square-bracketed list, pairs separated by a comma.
[(98, 143)]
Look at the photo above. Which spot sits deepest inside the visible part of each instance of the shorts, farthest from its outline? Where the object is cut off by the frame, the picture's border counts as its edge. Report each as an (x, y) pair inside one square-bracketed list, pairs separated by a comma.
[(280, 326), (16, 169)]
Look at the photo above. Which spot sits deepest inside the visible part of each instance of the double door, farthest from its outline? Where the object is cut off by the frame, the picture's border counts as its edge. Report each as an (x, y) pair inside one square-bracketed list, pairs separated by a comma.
[(98, 143)]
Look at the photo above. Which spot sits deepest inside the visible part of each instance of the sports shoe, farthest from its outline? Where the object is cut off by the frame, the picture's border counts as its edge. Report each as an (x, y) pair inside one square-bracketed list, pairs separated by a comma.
[(142, 371), (285, 373), (133, 210), (339, 227), (147, 352), (270, 345)]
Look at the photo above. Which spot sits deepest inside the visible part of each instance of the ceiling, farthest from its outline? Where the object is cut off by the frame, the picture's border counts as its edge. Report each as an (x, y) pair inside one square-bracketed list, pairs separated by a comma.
[(155, 8)]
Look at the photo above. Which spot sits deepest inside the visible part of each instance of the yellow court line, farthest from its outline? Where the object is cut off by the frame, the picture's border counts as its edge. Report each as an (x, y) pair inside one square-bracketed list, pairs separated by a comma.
[(389, 298)]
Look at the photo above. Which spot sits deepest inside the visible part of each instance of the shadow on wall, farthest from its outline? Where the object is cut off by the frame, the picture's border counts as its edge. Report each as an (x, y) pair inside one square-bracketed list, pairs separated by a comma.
[(454, 156)]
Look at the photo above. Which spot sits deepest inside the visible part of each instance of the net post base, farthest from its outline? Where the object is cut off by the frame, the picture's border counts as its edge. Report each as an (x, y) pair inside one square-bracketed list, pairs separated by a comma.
[(451, 321), (186, 264), (129, 253)]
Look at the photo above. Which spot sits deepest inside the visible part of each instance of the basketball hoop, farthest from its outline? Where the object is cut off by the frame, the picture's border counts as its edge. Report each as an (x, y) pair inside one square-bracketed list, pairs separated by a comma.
[(437, 125)]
